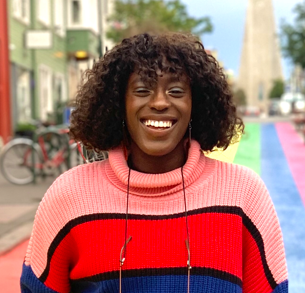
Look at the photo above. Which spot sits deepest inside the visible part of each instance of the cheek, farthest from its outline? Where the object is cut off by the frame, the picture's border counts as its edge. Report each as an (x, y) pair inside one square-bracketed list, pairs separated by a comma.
[(129, 108), (186, 108)]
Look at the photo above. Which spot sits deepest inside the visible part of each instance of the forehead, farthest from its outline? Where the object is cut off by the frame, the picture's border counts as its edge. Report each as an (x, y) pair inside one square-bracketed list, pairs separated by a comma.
[(138, 76)]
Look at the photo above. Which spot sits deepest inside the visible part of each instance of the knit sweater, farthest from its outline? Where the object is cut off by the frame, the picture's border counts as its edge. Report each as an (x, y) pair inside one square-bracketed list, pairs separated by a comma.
[(235, 238)]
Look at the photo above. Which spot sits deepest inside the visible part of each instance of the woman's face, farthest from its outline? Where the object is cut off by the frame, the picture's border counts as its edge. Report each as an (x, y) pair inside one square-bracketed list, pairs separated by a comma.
[(157, 116)]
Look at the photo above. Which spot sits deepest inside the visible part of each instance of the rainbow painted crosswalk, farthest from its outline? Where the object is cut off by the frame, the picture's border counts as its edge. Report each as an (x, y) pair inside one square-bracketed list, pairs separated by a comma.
[(277, 153)]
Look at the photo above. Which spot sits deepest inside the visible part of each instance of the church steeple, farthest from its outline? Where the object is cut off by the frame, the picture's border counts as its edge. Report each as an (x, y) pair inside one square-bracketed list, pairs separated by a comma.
[(260, 59)]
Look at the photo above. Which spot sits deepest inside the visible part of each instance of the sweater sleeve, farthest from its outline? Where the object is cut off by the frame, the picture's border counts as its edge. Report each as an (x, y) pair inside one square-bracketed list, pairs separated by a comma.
[(50, 220), (264, 263)]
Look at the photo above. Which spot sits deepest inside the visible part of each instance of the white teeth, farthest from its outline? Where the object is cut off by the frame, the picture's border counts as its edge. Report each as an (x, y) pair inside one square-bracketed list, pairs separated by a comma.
[(158, 124)]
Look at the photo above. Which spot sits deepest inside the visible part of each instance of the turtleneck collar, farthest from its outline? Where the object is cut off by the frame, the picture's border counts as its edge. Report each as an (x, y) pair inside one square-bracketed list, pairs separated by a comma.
[(144, 184)]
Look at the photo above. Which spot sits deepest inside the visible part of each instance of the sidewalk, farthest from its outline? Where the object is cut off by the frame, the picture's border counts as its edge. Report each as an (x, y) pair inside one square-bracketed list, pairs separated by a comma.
[(18, 205)]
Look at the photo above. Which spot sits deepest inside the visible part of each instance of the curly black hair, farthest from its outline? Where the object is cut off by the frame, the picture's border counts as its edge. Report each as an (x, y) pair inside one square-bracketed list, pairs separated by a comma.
[(100, 100)]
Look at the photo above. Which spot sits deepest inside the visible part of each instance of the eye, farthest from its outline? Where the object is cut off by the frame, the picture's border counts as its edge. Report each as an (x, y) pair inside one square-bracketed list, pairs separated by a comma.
[(176, 92), (142, 91)]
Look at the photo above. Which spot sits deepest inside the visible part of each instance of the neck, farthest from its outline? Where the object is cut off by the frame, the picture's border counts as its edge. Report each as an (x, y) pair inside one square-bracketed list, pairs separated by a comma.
[(145, 163)]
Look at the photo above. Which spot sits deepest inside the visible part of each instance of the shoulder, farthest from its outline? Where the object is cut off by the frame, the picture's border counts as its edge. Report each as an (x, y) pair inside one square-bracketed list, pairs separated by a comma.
[(237, 174), (81, 174), (236, 185), (81, 171), (249, 189), (73, 185)]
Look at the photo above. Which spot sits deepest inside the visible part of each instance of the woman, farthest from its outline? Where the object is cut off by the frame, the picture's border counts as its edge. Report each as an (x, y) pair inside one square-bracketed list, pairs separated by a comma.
[(158, 215)]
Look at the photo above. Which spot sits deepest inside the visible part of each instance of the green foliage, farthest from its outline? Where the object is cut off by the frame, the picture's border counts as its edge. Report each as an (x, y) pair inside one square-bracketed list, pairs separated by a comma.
[(293, 36), (240, 97), (25, 129), (132, 17), (278, 89)]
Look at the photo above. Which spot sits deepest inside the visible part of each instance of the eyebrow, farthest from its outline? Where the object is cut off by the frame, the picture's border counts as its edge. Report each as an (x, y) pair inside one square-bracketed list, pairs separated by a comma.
[(171, 79)]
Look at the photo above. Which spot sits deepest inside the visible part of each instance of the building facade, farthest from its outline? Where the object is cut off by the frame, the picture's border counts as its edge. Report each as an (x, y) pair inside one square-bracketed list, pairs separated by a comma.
[(38, 61), (5, 105), (50, 43), (260, 60)]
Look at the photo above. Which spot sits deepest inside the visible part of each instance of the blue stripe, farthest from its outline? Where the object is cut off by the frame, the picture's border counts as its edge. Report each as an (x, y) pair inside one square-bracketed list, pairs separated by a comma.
[(282, 288), (29, 282), (157, 284), (154, 284), (276, 174)]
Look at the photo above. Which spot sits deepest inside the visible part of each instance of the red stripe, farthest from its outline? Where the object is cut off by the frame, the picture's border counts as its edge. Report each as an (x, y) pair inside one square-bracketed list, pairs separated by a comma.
[(253, 267), (94, 247)]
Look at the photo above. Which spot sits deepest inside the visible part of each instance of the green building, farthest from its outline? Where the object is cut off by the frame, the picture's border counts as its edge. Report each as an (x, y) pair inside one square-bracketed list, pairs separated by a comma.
[(50, 42)]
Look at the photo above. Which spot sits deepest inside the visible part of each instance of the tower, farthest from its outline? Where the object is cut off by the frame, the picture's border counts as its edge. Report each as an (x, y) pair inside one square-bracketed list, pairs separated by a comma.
[(260, 59)]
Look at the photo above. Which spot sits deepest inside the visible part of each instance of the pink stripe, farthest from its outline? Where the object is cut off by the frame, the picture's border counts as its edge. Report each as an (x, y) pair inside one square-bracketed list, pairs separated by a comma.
[(294, 149)]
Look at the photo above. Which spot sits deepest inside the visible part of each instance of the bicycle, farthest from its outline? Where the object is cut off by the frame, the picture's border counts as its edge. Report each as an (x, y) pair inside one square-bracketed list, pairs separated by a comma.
[(23, 160)]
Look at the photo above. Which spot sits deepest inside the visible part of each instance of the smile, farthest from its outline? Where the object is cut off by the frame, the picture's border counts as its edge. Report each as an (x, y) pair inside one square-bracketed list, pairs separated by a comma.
[(158, 124)]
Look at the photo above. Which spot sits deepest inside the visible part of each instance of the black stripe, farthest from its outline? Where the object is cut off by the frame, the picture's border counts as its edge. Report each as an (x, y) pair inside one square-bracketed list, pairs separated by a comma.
[(260, 244), (115, 216), (161, 272)]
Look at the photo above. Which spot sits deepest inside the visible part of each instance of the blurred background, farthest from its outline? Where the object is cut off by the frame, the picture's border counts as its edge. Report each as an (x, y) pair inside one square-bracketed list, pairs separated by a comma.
[(46, 45)]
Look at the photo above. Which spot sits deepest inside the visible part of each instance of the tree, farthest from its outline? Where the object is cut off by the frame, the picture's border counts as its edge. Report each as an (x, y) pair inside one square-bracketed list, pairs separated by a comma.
[(278, 89), (132, 17), (240, 97), (293, 36)]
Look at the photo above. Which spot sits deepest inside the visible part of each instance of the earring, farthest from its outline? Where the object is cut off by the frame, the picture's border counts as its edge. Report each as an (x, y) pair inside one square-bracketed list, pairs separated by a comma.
[(125, 141), (190, 132)]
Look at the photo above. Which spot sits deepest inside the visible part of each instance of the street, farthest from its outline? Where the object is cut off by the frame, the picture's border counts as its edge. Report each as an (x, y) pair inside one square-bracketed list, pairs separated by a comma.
[(272, 148)]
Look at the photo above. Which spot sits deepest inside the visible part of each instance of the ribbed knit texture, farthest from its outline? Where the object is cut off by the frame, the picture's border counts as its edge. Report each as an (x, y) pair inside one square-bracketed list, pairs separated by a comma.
[(235, 239)]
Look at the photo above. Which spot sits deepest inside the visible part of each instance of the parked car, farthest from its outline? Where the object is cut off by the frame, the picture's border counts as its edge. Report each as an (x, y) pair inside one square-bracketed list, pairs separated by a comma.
[(274, 107), (253, 111), (291, 103), (248, 110)]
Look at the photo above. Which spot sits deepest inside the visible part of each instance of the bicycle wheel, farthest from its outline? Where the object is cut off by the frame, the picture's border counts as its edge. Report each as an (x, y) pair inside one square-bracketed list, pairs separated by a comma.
[(54, 147), (75, 157), (20, 160)]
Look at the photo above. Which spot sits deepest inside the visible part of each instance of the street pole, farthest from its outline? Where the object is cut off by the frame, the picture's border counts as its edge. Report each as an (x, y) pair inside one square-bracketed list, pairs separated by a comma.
[(100, 29), (5, 105)]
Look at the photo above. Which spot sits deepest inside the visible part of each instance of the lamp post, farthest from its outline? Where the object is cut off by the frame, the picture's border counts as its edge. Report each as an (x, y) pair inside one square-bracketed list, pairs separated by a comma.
[(5, 106)]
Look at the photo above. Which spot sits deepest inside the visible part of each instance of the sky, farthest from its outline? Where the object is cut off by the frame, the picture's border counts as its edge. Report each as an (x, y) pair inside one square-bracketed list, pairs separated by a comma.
[(228, 18)]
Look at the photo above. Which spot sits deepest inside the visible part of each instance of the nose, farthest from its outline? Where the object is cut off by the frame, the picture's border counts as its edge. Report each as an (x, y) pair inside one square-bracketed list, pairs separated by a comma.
[(159, 100)]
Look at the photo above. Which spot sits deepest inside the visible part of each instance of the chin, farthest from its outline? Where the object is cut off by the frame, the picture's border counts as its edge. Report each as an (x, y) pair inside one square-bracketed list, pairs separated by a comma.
[(158, 150)]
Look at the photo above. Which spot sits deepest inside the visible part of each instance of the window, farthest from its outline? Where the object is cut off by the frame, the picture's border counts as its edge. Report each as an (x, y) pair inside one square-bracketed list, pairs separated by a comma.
[(59, 20), (44, 12), (76, 12), (45, 93), (60, 92), (23, 96), (21, 10), (93, 22), (106, 7)]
